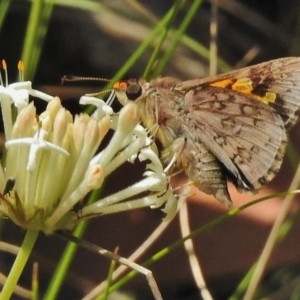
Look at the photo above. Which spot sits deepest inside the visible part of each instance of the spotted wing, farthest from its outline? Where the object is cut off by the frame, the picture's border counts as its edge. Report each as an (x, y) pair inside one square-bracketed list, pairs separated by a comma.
[(247, 136), (242, 117), (276, 83)]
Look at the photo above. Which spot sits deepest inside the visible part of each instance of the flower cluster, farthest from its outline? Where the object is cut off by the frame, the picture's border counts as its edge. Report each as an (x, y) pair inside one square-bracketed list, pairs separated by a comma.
[(51, 162)]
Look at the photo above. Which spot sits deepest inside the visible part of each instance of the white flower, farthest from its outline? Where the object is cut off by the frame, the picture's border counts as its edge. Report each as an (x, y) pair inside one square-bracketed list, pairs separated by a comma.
[(51, 162)]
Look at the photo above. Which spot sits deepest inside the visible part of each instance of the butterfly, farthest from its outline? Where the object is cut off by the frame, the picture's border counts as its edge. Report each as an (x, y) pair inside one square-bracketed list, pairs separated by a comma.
[(229, 127)]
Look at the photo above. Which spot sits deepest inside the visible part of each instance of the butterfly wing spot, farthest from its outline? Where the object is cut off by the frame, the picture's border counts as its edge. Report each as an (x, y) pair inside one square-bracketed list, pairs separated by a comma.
[(255, 149), (248, 110), (243, 85), (228, 124), (223, 83), (217, 104), (220, 140), (270, 97), (244, 154)]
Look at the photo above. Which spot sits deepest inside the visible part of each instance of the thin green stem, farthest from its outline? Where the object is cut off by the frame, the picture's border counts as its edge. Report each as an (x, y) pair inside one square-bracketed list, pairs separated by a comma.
[(64, 264), (4, 6), (68, 255), (31, 33), (38, 22), (164, 34), (178, 36), (40, 37), (19, 264), (109, 276), (35, 282)]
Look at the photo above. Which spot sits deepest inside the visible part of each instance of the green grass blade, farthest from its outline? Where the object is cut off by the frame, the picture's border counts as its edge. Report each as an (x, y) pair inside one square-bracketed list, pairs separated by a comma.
[(19, 264), (69, 253), (178, 36), (4, 7), (109, 276), (64, 264), (36, 31), (165, 30)]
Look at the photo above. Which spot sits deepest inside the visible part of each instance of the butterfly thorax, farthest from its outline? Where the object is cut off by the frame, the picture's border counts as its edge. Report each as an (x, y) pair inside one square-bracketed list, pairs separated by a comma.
[(161, 105)]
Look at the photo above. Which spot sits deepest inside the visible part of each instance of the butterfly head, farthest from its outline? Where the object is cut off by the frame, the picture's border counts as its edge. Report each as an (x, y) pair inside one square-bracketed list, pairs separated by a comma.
[(129, 90)]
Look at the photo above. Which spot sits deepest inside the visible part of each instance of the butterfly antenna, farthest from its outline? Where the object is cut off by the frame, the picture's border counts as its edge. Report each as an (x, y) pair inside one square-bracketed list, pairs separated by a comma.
[(99, 93), (69, 78), (81, 78)]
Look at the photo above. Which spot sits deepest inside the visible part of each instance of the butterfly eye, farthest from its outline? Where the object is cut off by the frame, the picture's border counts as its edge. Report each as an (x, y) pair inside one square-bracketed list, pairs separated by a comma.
[(133, 91)]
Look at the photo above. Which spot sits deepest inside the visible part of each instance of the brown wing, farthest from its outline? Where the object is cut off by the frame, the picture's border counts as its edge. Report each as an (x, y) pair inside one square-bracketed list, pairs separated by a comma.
[(246, 136), (276, 83), (242, 117)]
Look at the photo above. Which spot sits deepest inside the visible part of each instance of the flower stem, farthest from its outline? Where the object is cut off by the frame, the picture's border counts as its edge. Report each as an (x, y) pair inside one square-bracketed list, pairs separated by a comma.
[(17, 268)]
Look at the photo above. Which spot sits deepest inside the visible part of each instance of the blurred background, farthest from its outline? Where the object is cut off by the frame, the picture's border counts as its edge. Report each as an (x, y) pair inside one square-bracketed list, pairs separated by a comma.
[(96, 39)]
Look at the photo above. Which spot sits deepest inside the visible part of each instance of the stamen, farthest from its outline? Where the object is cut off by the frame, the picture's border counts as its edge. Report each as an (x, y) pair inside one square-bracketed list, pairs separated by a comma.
[(102, 108), (21, 70), (1, 81), (171, 163), (111, 98), (4, 66)]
